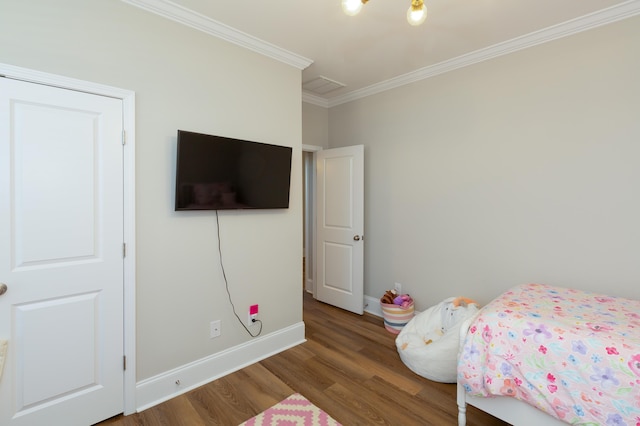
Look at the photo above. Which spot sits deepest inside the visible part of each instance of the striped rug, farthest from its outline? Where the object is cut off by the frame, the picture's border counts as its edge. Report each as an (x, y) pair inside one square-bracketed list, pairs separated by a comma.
[(296, 410)]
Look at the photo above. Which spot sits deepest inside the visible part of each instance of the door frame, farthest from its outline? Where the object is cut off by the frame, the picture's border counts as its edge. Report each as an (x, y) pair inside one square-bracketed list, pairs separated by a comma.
[(129, 283), (310, 229)]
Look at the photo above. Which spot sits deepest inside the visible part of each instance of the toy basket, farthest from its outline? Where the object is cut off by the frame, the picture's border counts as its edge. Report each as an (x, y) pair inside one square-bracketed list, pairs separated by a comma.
[(395, 316)]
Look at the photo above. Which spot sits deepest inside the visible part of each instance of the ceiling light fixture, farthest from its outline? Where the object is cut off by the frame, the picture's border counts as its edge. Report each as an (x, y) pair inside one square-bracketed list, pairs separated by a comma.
[(352, 7), (416, 14)]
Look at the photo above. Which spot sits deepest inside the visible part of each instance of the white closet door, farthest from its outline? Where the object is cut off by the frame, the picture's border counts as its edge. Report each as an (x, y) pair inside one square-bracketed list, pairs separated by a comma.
[(61, 239)]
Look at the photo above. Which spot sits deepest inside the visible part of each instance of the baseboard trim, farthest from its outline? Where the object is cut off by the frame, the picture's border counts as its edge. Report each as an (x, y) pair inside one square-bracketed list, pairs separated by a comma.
[(161, 388), (372, 306)]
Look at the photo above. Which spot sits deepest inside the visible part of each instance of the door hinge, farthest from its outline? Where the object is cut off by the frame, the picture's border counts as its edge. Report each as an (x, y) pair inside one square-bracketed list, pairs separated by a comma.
[(124, 137), (124, 362), (124, 250)]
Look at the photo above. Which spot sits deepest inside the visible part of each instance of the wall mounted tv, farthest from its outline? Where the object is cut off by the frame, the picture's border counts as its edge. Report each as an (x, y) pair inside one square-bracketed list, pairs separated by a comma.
[(219, 173)]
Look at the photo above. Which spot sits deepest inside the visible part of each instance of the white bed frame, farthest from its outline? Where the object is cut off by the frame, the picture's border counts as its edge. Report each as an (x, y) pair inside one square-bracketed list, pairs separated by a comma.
[(509, 409)]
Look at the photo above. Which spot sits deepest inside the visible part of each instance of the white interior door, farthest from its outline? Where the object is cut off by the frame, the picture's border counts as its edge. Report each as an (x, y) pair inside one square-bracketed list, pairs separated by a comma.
[(61, 255), (340, 227)]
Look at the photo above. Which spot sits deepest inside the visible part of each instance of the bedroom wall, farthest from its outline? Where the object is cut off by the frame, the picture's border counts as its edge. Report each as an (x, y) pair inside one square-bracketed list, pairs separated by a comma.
[(183, 79), (315, 125), (520, 169)]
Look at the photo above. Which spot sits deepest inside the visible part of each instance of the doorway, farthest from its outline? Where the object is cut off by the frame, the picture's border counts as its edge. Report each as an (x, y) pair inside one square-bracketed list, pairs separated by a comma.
[(334, 224), (84, 251), (308, 217)]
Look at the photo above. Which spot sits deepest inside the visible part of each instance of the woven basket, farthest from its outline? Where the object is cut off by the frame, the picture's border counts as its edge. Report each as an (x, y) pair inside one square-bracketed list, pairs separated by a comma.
[(395, 316)]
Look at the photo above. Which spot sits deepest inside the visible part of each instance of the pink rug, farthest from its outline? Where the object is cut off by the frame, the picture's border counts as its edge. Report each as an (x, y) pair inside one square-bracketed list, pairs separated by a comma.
[(296, 410)]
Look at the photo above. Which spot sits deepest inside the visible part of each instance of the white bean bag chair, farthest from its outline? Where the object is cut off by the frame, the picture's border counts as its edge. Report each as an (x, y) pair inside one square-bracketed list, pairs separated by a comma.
[(428, 344)]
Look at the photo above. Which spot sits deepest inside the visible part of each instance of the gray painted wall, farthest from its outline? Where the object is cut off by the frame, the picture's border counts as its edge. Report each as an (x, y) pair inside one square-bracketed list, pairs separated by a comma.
[(520, 169), (183, 79)]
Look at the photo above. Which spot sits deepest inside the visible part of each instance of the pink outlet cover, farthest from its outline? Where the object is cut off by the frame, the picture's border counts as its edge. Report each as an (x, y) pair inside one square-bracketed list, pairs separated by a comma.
[(253, 309)]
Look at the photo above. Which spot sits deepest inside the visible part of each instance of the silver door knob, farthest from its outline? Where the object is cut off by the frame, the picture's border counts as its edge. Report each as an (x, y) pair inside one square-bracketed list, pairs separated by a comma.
[(3, 288), (356, 238)]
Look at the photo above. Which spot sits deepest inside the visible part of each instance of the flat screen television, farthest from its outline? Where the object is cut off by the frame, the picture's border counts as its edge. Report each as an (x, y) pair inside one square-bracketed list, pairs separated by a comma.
[(220, 173)]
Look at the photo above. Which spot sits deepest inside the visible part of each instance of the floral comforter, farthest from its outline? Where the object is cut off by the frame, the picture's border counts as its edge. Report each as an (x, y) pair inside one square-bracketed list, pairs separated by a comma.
[(573, 354)]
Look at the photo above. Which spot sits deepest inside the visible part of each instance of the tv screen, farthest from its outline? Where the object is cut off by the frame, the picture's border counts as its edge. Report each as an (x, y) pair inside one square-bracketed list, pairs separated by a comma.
[(219, 173)]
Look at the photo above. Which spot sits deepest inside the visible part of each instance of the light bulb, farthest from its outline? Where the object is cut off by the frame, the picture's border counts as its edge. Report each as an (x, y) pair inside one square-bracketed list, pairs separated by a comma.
[(417, 13), (352, 7)]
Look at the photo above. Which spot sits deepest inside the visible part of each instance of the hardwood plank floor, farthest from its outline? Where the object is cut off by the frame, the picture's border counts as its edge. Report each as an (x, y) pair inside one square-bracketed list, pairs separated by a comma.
[(349, 367)]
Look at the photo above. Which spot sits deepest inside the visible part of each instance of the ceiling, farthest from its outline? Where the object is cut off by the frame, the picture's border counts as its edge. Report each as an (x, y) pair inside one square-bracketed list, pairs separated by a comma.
[(378, 48)]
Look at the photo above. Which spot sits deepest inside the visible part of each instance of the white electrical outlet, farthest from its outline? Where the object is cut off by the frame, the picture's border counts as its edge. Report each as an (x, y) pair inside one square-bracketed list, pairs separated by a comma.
[(251, 319), (398, 288), (215, 329)]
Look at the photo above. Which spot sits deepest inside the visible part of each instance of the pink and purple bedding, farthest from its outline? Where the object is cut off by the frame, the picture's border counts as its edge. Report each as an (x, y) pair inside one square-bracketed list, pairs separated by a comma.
[(572, 354)]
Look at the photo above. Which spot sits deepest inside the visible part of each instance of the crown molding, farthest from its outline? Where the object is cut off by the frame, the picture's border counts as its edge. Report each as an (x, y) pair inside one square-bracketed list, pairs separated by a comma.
[(315, 99), (182, 15), (565, 29)]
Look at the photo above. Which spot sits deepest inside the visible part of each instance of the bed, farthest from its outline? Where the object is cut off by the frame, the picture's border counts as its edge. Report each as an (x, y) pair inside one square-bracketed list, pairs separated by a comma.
[(540, 354)]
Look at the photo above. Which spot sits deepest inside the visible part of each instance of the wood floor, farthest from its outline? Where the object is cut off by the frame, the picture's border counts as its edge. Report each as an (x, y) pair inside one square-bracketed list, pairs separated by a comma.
[(348, 366)]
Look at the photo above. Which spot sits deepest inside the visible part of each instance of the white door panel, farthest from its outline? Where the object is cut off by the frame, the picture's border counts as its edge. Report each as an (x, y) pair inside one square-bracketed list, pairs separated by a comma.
[(61, 238), (340, 225), (36, 335), (54, 207), (338, 275), (338, 203)]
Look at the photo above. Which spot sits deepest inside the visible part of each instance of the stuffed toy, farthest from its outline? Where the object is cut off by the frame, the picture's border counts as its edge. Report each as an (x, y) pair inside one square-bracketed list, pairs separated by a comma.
[(388, 297), (404, 300), (391, 297), (454, 311)]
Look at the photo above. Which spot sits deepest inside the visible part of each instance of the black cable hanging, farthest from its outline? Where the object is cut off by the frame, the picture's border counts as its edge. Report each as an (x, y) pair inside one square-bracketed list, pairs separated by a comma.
[(226, 285)]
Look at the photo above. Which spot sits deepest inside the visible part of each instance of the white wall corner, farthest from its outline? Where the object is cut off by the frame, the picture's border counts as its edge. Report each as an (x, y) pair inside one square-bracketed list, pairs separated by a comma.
[(170, 384)]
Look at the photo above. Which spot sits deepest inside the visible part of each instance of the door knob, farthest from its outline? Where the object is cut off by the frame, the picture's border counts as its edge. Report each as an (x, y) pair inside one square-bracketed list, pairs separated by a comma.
[(356, 238), (3, 288)]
